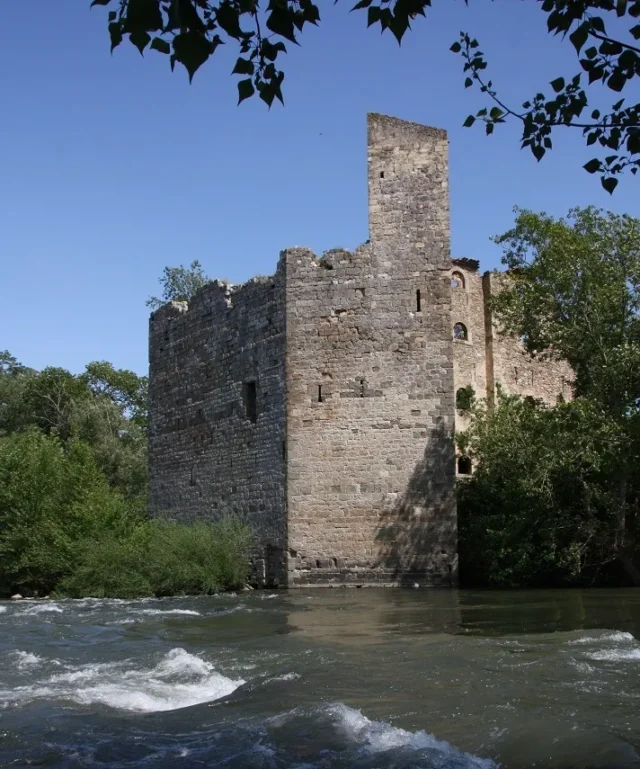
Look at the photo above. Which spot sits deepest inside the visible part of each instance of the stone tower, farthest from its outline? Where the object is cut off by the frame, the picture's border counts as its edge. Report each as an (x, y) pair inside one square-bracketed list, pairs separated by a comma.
[(319, 403)]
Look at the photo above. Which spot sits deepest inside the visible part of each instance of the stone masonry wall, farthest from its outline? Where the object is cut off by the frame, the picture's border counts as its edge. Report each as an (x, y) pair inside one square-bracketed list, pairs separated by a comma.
[(370, 471), (209, 452), (512, 368), (469, 355)]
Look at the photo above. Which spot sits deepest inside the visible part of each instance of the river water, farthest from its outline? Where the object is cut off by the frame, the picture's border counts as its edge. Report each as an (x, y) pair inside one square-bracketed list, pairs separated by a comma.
[(324, 679)]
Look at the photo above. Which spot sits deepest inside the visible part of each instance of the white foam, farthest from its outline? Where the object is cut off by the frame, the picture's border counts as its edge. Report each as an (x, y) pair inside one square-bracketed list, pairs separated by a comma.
[(378, 736), (26, 659), (615, 655), (178, 680), (618, 636), (158, 612), (43, 608), (3, 609), (285, 677)]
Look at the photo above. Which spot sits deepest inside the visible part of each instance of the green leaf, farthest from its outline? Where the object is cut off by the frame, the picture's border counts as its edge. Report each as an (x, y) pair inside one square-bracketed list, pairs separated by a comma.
[(617, 81), (456, 48), (140, 39), (112, 15), (592, 166), (362, 4), (635, 31), (557, 84), (496, 113), (468, 82), (469, 121), (100, 2), (538, 151), (158, 44), (271, 50), (228, 17), (280, 21), (243, 67), (373, 15), (245, 90), (143, 16), (191, 49), (579, 36), (115, 33), (609, 183)]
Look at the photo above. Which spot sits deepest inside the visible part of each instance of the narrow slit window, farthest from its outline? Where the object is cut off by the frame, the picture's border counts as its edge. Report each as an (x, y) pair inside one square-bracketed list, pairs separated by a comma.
[(362, 388), (418, 301), (382, 174), (250, 398), (320, 397)]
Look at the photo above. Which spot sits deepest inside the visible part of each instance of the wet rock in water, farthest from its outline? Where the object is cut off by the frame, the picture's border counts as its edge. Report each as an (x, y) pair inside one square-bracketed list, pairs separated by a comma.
[(16, 597)]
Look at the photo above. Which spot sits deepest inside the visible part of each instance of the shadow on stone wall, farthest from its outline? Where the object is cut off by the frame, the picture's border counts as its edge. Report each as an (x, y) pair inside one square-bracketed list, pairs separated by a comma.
[(418, 535)]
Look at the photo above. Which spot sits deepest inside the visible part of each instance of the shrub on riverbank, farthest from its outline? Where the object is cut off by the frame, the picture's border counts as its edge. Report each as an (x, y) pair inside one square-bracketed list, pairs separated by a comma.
[(63, 528), (544, 506), (162, 559)]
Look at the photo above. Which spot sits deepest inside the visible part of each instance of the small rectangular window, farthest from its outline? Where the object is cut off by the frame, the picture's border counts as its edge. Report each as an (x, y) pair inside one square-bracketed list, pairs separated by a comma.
[(320, 398), (362, 388), (418, 301), (250, 399)]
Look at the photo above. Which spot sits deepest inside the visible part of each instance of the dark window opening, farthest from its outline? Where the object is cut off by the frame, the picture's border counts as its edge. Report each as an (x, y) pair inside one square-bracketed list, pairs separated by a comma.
[(284, 450), (464, 466), (362, 388), (250, 399), (382, 174), (465, 397), (418, 301), (320, 398), (460, 332)]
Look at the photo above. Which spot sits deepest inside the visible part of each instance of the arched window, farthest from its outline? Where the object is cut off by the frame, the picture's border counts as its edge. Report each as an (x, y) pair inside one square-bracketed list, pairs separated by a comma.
[(460, 331), (464, 466), (457, 280)]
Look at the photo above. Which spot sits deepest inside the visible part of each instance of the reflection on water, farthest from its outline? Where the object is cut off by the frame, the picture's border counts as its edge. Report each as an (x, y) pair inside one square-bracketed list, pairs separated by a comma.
[(325, 679)]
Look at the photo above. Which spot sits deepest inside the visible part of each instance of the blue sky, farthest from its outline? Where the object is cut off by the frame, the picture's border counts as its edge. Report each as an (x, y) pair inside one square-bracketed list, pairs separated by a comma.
[(113, 167)]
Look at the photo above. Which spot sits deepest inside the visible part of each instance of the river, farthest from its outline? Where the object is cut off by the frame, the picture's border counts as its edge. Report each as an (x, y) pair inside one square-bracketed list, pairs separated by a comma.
[(324, 679)]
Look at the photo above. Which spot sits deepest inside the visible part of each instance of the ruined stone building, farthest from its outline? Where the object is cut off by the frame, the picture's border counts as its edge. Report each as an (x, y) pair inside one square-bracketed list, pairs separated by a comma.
[(320, 403)]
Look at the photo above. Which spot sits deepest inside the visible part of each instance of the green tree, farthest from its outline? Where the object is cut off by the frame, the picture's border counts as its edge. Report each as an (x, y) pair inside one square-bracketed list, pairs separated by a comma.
[(179, 284), (542, 507), (103, 407), (573, 291), (50, 497), (604, 34)]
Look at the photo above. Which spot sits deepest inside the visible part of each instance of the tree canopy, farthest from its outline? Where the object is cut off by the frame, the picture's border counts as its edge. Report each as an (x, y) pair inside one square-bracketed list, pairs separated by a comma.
[(604, 34), (556, 493), (179, 284)]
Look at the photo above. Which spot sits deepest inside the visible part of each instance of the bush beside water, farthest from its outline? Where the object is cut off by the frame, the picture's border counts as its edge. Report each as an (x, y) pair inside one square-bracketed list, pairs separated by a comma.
[(64, 529)]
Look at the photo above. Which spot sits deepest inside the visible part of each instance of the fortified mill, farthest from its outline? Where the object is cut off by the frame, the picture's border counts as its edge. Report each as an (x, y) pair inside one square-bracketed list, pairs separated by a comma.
[(319, 404)]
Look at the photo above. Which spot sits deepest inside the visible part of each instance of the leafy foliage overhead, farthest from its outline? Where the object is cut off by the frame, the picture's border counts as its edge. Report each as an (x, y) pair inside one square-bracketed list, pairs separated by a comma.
[(604, 34)]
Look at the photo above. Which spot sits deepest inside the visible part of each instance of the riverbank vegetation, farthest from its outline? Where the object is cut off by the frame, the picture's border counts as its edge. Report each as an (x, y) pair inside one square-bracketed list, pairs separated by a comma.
[(73, 494), (555, 495)]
